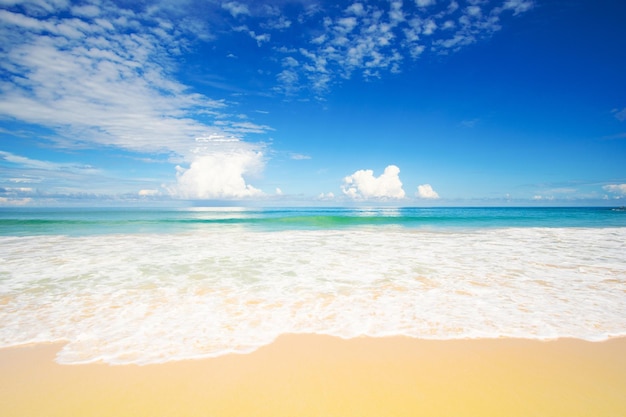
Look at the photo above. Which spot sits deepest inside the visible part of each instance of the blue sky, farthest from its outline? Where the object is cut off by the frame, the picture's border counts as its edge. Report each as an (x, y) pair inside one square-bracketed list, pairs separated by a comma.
[(311, 102)]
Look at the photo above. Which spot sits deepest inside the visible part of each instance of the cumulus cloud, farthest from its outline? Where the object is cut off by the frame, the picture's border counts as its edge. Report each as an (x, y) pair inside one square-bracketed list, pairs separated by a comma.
[(363, 185), (619, 189), (219, 170), (426, 191), (105, 75)]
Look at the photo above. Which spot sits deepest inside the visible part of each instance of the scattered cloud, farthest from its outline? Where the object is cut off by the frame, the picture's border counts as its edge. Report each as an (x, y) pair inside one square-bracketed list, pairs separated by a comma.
[(100, 75), (426, 191), (518, 6), (236, 8), (104, 75), (326, 196), (424, 3), (104, 80), (259, 38), (619, 189), (23, 177), (370, 38), (363, 185)]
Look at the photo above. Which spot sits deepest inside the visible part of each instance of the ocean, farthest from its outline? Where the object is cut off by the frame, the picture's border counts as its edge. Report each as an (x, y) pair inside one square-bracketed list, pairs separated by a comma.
[(140, 286)]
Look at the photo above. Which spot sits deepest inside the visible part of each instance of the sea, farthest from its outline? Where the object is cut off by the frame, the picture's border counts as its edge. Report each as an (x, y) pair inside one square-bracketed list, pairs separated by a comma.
[(142, 286)]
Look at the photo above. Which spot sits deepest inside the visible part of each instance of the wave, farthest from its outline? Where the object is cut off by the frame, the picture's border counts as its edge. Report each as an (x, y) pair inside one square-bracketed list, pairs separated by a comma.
[(157, 297)]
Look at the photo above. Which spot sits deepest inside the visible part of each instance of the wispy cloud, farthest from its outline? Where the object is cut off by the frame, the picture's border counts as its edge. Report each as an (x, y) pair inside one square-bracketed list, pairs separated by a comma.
[(620, 114), (29, 163), (101, 74), (28, 178), (299, 156), (104, 75)]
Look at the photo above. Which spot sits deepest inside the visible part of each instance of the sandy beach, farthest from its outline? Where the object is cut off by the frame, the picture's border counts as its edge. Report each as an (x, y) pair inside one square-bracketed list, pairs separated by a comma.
[(310, 375)]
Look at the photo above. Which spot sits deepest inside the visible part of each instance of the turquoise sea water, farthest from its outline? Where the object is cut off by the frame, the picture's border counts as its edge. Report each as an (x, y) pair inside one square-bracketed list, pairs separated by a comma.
[(146, 286), (23, 222)]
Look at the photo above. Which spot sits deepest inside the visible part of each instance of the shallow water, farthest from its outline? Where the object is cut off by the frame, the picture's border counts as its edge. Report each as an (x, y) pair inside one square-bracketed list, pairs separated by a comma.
[(153, 286)]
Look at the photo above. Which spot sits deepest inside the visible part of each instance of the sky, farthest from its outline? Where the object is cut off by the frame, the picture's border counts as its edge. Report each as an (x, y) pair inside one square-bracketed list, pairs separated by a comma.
[(313, 102)]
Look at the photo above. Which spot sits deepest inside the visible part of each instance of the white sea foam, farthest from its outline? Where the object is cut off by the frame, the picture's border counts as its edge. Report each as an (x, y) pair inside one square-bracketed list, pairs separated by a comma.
[(149, 298)]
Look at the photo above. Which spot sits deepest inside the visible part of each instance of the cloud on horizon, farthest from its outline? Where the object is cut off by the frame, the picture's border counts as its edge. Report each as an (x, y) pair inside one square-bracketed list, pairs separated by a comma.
[(619, 189), (103, 75), (363, 185), (426, 191), (219, 170)]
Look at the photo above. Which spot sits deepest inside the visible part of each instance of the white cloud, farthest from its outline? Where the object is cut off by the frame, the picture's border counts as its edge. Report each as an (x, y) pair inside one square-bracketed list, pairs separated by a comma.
[(371, 38), (356, 9), (279, 24), (326, 196), (35, 164), (426, 191), (86, 11), (47, 179), (424, 3), (473, 11), (5, 201), (396, 14), (105, 77), (518, 6), (93, 85), (148, 193), (616, 189), (363, 185), (540, 197), (236, 9), (219, 170)]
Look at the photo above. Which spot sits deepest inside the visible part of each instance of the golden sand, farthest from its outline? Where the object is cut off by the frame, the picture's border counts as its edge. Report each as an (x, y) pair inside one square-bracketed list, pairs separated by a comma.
[(306, 375)]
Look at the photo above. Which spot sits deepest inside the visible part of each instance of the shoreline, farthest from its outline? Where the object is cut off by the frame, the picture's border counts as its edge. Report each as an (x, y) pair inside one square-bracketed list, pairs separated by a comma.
[(315, 375)]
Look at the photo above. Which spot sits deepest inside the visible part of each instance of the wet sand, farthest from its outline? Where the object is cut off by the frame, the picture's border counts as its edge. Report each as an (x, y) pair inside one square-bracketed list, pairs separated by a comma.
[(310, 375)]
